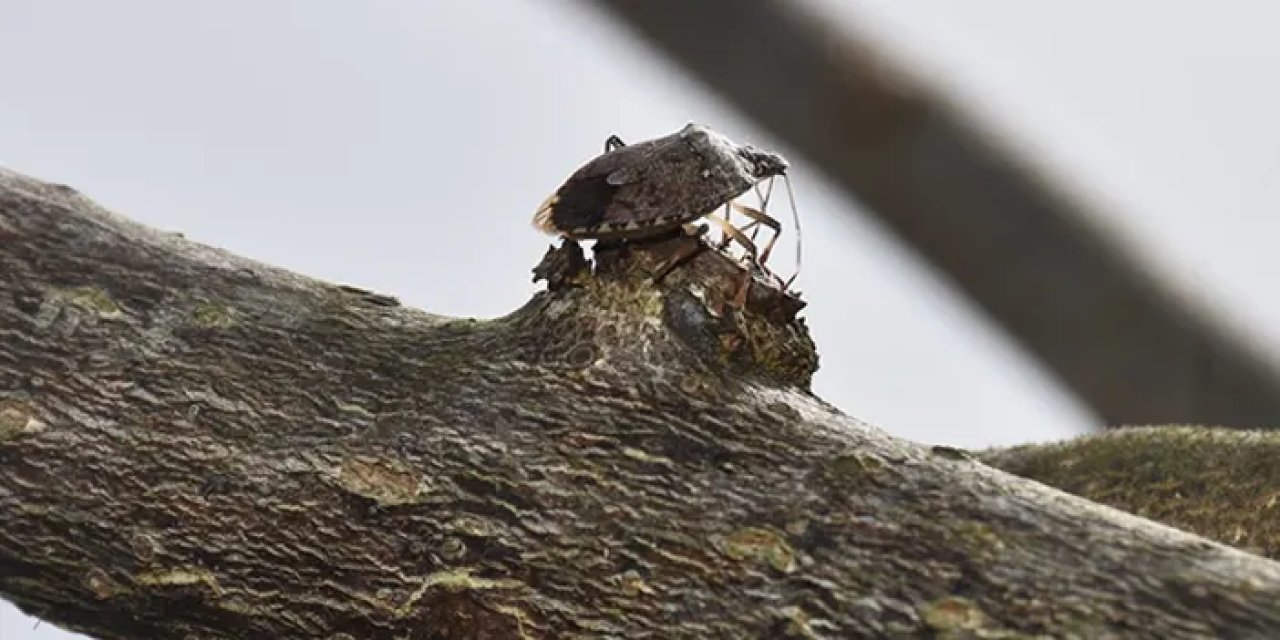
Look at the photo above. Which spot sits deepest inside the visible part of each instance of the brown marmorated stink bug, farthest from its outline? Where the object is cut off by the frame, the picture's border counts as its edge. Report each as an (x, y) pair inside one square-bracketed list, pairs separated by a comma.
[(633, 192)]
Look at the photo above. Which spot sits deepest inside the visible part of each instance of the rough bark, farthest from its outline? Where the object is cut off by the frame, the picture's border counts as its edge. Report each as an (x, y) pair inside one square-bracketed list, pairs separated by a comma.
[(1221, 484), (193, 445)]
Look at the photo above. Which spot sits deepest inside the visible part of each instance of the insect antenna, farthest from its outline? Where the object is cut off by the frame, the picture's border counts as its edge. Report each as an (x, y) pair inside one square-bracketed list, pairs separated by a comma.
[(754, 225), (764, 203), (795, 217)]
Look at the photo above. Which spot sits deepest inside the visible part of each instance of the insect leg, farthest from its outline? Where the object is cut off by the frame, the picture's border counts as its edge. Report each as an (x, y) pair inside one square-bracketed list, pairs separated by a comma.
[(754, 225), (725, 238), (682, 252), (795, 214), (736, 235), (764, 204), (613, 143), (761, 218), (740, 298)]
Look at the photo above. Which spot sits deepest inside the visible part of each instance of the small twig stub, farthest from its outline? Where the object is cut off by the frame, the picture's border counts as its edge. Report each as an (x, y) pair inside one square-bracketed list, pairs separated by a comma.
[(558, 266)]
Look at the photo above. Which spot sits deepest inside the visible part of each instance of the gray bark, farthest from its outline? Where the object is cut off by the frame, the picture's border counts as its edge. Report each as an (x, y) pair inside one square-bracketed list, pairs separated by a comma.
[(1223, 484), (194, 445)]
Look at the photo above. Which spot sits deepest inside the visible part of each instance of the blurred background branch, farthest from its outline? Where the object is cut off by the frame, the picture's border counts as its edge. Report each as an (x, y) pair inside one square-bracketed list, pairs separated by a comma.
[(1022, 249)]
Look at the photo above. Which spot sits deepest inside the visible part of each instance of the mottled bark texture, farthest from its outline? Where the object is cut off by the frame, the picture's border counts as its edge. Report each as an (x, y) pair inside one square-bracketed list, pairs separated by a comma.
[(1222, 484), (193, 445)]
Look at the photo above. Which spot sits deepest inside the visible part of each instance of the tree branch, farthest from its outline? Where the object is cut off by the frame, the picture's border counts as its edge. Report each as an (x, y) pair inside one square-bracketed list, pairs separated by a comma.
[(1218, 483), (194, 445), (1029, 254)]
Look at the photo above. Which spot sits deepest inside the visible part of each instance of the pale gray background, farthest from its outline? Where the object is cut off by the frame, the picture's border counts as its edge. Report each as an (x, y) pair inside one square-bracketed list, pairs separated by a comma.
[(403, 145)]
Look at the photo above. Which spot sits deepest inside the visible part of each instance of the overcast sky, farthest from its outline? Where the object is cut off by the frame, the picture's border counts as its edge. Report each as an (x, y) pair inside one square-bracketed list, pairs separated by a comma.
[(403, 146)]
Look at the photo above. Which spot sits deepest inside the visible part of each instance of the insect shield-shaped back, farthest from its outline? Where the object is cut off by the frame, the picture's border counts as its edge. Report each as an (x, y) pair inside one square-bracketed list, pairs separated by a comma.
[(655, 186)]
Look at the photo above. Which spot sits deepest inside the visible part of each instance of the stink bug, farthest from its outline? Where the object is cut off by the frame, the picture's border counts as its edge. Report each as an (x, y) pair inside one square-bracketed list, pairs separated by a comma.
[(650, 188)]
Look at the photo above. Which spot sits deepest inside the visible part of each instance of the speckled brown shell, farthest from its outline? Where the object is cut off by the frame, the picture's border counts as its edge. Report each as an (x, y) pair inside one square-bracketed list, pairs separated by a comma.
[(648, 187)]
